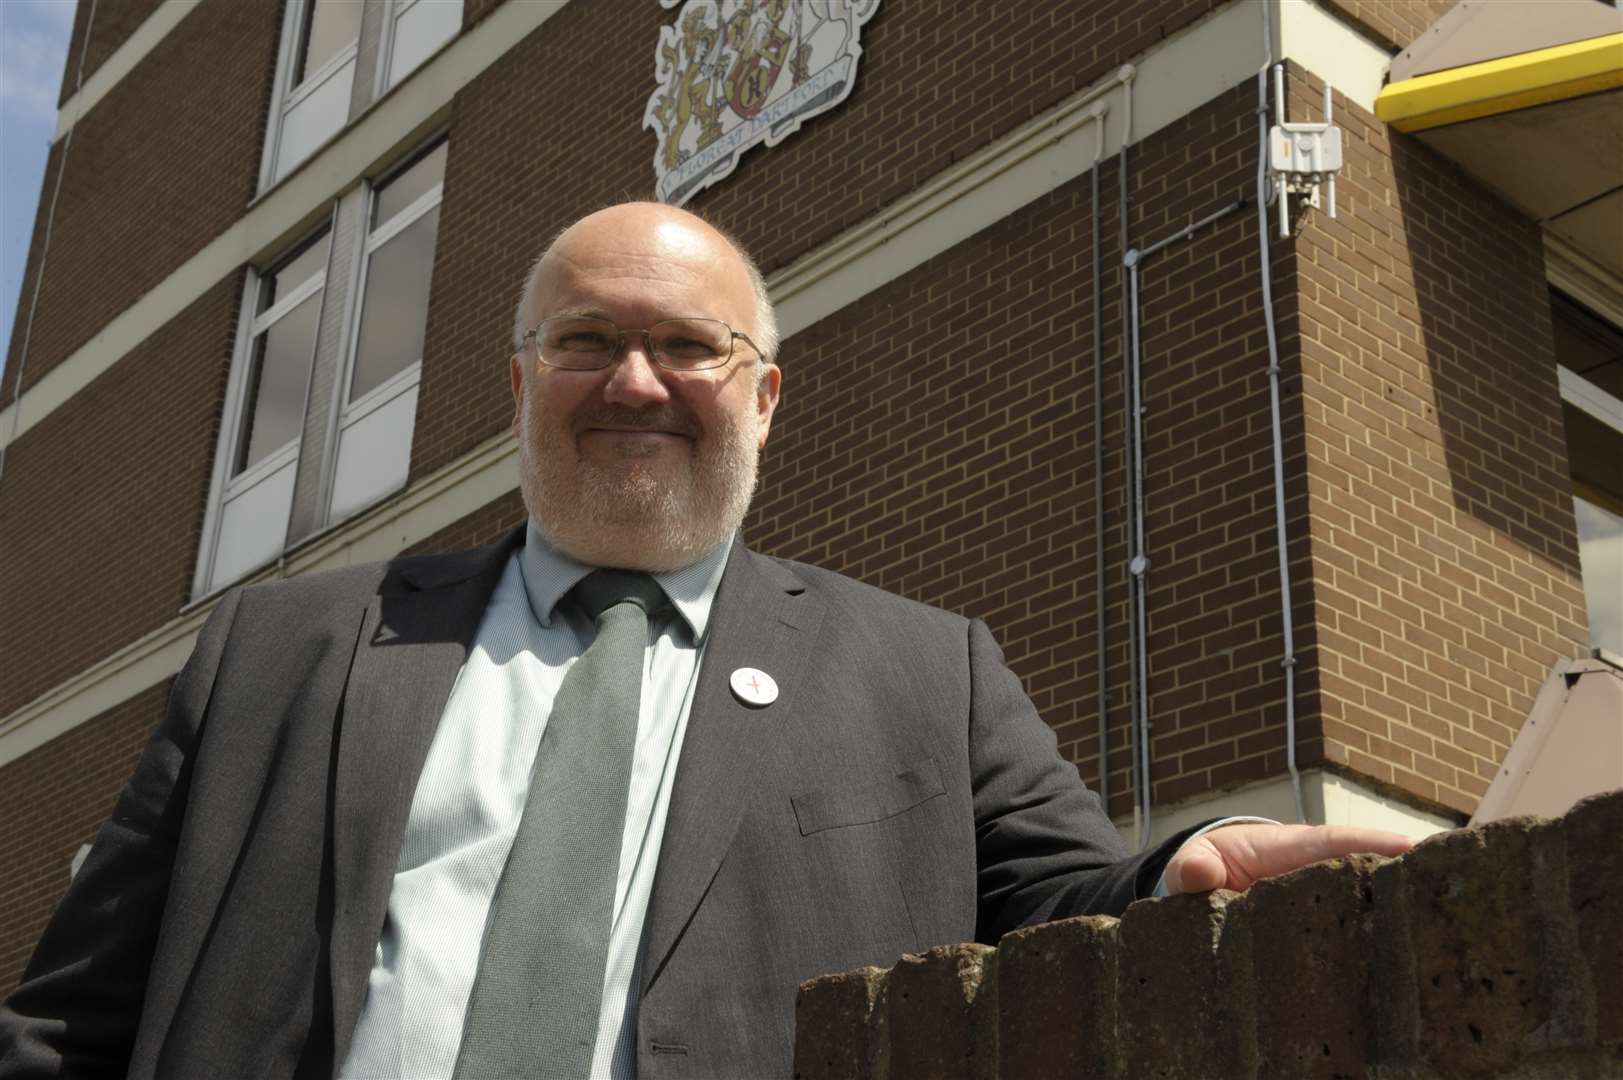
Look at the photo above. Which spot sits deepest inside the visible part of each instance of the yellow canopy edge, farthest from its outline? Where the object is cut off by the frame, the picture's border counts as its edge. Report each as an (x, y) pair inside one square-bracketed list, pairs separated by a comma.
[(1503, 85)]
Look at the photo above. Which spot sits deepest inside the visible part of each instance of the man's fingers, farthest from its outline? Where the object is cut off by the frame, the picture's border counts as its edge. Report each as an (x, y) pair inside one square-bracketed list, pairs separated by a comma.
[(1333, 841), (1234, 856)]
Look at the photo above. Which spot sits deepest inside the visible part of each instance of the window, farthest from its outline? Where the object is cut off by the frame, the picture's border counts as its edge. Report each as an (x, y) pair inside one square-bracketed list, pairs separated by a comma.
[(316, 76), (415, 31), (265, 412), (374, 441), (337, 57), (322, 397), (1589, 350)]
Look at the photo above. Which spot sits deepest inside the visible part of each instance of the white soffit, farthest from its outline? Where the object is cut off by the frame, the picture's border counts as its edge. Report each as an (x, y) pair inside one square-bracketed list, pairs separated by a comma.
[(1351, 63), (393, 119), (1179, 75), (1329, 799), (121, 63)]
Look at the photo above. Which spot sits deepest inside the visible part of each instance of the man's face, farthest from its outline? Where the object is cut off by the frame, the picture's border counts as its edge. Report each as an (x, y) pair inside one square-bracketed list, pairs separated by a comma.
[(635, 466)]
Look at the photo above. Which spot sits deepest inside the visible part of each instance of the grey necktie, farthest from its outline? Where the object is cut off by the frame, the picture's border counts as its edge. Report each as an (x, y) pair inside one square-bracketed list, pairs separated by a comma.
[(534, 1006)]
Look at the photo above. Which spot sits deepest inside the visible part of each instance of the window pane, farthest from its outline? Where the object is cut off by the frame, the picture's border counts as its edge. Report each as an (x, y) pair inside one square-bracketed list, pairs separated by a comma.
[(281, 371), (419, 30), (293, 273), (1587, 344), (409, 186), (329, 27), (394, 307), (1600, 550)]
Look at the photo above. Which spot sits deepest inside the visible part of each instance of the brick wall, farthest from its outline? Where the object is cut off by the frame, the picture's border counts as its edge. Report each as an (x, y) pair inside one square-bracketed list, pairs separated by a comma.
[(1488, 952), (52, 800), (922, 101), (141, 196), (115, 21), (936, 438), (1445, 552), (101, 503), (1394, 23)]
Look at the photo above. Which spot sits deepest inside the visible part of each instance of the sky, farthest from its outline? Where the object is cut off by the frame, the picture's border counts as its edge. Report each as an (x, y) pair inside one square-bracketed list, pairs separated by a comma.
[(33, 49)]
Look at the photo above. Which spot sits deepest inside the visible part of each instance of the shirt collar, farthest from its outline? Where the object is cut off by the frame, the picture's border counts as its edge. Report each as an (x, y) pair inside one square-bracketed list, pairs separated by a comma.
[(549, 574)]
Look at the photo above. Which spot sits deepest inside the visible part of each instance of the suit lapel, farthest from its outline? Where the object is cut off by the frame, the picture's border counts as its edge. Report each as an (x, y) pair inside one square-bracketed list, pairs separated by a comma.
[(412, 642), (763, 618)]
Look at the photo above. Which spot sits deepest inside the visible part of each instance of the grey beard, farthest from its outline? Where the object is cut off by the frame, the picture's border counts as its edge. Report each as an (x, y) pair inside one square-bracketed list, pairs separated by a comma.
[(629, 517)]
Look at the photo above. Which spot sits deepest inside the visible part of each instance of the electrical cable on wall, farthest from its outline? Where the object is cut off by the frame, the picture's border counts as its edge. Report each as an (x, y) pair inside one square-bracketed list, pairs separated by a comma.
[(1289, 660)]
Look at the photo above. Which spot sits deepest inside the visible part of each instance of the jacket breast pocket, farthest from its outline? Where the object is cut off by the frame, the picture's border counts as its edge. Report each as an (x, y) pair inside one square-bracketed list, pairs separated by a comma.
[(869, 801)]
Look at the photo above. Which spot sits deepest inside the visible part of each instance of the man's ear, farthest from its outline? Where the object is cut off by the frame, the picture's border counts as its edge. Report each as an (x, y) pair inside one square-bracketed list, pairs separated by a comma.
[(517, 365), (766, 400)]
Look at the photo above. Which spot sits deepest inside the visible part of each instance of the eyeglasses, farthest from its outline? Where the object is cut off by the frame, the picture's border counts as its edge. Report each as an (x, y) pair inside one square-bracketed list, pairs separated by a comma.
[(585, 343)]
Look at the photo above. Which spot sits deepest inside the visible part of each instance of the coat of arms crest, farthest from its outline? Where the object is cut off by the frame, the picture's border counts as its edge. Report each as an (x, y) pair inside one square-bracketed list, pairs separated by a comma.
[(733, 73)]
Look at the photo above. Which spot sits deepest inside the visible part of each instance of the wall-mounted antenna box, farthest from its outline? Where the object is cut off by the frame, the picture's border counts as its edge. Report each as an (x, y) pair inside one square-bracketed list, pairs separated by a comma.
[(1301, 156), (1308, 152)]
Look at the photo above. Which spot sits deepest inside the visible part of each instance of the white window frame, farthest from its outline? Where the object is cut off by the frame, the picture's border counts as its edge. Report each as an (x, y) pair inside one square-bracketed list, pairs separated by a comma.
[(262, 323), (224, 488), (1598, 292), (346, 414), (288, 97), (395, 11)]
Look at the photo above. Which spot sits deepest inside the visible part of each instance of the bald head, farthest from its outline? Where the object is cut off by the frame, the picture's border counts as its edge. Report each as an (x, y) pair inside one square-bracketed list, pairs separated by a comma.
[(633, 464), (660, 237)]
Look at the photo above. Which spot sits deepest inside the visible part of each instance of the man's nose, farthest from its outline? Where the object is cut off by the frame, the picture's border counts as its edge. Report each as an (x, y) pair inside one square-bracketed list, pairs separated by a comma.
[(634, 378)]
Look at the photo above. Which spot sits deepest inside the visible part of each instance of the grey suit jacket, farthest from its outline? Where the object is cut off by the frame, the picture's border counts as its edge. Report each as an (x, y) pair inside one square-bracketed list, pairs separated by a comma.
[(900, 793)]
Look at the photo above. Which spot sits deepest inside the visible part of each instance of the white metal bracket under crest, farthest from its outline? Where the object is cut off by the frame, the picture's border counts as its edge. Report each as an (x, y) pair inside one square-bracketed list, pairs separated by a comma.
[(1301, 156)]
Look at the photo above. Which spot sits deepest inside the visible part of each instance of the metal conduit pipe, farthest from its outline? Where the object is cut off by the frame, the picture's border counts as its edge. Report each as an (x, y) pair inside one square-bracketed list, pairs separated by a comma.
[(1099, 478), (1126, 75), (1289, 660), (1139, 565)]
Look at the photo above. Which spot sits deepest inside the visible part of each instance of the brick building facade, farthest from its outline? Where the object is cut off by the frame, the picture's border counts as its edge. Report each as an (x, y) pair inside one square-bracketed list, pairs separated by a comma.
[(947, 249)]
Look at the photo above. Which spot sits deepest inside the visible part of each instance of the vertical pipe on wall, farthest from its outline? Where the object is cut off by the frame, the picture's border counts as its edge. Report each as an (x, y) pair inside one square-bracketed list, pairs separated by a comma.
[(1289, 660), (1099, 483), (1126, 362), (1139, 565)]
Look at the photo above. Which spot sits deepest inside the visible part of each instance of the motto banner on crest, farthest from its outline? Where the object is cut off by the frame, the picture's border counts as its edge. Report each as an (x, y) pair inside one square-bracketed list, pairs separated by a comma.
[(734, 73)]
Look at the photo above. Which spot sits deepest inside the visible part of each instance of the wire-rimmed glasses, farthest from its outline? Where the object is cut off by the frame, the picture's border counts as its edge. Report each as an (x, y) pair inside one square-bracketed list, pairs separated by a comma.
[(588, 343)]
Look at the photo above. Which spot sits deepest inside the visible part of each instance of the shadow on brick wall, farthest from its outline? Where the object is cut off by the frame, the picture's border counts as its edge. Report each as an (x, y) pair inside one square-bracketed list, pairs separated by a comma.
[(1482, 302)]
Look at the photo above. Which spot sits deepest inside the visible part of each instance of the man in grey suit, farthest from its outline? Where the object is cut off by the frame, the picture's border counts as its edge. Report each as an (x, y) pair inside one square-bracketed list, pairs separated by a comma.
[(301, 878)]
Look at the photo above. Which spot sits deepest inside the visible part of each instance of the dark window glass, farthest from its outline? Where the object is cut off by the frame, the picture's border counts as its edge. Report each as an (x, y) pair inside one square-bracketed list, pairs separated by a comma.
[(329, 27), (394, 308), (309, 261), (1587, 344), (277, 381), (409, 186)]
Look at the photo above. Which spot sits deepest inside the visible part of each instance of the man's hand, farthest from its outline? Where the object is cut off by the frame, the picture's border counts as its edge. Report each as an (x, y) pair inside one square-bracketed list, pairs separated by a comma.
[(1234, 856)]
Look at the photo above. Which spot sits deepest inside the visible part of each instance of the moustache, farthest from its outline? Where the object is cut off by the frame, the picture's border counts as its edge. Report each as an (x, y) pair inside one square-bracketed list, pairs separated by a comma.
[(653, 418)]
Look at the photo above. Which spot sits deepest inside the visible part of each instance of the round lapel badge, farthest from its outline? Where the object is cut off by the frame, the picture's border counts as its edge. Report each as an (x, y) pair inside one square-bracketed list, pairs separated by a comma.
[(754, 687)]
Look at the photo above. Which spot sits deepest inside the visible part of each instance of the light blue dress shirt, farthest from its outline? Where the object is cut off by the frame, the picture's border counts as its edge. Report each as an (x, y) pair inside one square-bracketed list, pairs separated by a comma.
[(471, 795)]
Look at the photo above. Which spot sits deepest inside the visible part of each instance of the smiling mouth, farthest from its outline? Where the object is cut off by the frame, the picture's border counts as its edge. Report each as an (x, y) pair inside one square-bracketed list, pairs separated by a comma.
[(659, 422), (639, 430)]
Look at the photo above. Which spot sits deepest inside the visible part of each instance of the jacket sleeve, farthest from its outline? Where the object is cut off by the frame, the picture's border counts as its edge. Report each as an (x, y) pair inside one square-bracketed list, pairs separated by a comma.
[(76, 1011), (1044, 847)]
